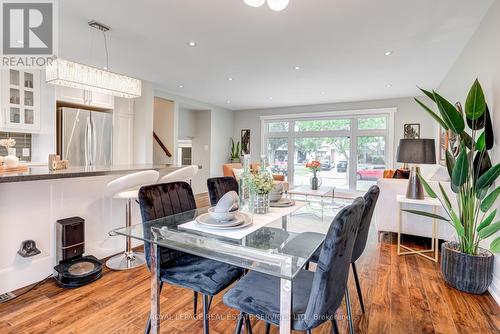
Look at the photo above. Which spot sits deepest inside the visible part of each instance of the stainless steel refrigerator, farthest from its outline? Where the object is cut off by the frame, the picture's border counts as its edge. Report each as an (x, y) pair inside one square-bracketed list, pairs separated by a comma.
[(85, 137)]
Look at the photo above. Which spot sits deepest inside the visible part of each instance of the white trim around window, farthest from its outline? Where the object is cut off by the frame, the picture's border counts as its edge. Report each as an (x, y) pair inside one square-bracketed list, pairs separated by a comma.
[(353, 132)]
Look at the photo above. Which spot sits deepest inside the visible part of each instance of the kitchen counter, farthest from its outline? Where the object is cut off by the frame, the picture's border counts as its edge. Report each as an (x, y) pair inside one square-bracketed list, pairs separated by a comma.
[(40, 173)]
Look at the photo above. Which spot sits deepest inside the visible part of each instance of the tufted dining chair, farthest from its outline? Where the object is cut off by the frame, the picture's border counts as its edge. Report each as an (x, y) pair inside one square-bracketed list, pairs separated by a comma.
[(315, 295), (199, 274)]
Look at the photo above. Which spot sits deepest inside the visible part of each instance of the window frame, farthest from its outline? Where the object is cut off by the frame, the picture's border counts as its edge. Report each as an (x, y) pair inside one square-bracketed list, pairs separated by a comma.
[(353, 133)]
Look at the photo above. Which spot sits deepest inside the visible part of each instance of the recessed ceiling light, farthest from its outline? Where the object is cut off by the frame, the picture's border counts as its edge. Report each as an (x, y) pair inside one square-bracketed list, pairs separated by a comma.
[(270, 97), (388, 85), (322, 92), (297, 67), (388, 53), (181, 86), (228, 101), (230, 79), (191, 44)]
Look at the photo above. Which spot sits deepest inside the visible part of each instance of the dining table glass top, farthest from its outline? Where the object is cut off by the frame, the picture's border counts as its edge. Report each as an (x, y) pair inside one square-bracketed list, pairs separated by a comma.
[(280, 247)]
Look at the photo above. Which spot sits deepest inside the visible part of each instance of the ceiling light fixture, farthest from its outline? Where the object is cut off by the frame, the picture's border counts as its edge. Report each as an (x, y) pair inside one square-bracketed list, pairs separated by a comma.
[(276, 5), (388, 53), (388, 85), (297, 68), (70, 74), (191, 44), (322, 92), (228, 101), (180, 86), (229, 79)]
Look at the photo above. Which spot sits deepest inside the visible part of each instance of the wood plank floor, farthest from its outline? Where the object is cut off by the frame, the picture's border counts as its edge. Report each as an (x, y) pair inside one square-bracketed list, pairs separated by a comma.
[(402, 295)]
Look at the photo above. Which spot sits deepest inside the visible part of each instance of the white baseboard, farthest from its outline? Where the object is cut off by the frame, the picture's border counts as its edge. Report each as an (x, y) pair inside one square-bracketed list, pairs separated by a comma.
[(19, 276), (494, 289)]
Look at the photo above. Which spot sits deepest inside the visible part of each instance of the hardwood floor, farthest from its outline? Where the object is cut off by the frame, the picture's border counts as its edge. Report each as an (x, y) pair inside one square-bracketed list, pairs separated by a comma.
[(401, 294)]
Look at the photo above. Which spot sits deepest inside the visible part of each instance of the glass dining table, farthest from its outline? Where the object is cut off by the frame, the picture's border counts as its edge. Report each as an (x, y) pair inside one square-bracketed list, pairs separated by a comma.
[(277, 244)]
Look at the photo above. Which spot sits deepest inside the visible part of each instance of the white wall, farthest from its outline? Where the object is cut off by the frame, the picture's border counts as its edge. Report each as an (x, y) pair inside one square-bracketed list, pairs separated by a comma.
[(481, 59), (187, 119), (163, 126), (201, 151), (143, 125), (407, 112), (44, 143)]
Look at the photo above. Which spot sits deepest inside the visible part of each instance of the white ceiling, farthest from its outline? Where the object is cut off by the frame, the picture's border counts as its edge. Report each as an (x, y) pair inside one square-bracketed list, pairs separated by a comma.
[(338, 44)]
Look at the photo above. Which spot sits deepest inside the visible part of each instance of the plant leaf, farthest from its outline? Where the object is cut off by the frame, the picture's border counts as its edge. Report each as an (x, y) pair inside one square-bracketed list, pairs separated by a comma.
[(488, 177), (481, 143), (445, 196), (487, 221), (426, 214), (450, 162), (490, 200), (495, 245), (466, 139), (488, 129), (427, 187), (475, 103), (429, 94), (450, 115), (485, 164), (489, 230), (432, 114), (459, 175), (457, 224)]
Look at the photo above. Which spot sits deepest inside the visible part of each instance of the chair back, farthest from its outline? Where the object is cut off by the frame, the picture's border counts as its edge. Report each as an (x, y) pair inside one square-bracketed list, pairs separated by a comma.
[(219, 186), (371, 198), (131, 181), (332, 271), (184, 174), (163, 200)]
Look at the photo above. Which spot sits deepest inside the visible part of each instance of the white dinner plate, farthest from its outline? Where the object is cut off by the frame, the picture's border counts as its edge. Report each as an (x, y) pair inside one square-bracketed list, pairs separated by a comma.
[(241, 220)]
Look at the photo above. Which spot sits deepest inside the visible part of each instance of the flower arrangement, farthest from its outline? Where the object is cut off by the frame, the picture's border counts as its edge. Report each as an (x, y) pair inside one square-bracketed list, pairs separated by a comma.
[(261, 183), (8, 143), (314, 166)]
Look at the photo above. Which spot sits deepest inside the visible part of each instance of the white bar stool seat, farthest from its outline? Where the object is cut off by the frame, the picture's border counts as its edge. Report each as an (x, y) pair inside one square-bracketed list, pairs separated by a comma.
[(184, 174), (127, 188)]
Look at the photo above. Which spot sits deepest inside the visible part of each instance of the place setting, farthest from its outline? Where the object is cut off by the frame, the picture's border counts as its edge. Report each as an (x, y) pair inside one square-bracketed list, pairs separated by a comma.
[(225, 215), (276, 199)]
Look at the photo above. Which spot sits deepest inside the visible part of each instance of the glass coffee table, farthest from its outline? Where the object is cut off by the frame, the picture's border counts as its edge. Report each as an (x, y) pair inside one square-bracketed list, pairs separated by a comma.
[(323, 193)]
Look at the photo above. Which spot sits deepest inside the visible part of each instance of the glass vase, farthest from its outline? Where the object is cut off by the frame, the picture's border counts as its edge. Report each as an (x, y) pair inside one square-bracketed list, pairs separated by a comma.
[(259, 203)]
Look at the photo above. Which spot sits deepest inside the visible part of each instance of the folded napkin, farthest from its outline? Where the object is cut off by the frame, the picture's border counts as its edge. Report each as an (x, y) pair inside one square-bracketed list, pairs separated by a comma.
[(228, 202)]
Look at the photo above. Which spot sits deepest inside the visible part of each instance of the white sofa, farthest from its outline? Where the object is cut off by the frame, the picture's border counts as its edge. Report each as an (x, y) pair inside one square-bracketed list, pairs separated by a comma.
[(387, 210)]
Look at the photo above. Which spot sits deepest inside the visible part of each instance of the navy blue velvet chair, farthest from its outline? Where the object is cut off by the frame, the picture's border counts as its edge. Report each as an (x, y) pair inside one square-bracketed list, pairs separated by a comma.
[(199, 274), (218, 186), (315, 295)]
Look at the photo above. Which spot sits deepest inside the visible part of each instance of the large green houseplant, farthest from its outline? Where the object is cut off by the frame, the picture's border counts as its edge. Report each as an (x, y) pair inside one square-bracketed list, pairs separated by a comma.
[(465, 265)]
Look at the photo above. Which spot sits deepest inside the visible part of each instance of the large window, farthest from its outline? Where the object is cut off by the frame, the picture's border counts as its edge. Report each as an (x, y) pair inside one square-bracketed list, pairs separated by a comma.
[(352, 149)]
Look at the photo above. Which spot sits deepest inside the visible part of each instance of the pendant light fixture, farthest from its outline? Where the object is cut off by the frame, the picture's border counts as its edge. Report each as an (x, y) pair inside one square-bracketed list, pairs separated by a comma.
[(276, 5), (70, 74)]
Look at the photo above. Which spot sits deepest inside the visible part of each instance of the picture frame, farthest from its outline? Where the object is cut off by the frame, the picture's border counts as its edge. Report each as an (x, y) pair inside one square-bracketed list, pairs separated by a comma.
[(411, 131), (245, 141)]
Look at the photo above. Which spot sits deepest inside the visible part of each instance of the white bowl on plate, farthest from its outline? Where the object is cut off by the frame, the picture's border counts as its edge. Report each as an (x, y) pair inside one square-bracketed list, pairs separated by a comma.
[(222, 216)]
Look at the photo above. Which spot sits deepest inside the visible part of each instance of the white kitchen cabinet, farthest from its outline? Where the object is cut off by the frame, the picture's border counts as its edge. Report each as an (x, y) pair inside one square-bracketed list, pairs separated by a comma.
[(85, 97), (20, 100), (123, 131)]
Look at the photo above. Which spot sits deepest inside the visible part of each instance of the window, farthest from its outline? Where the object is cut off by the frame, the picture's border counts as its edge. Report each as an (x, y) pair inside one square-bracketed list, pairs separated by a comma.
[(351, 146)]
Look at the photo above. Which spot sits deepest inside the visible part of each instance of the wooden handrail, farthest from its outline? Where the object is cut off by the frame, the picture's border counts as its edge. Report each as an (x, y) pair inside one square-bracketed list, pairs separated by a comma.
[(163, 147)]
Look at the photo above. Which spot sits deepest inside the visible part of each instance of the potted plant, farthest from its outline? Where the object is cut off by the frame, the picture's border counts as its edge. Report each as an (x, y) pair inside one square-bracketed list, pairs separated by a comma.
[(464, 264), (235, 152), (314, 166)]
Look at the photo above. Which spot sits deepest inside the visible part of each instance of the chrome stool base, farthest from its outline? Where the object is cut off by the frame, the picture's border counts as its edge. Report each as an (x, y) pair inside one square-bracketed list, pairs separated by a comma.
[(126, 261)]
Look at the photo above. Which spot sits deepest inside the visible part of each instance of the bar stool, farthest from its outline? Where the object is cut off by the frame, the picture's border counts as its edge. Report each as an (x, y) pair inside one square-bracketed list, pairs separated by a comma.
[(184, 174), (127, 188)]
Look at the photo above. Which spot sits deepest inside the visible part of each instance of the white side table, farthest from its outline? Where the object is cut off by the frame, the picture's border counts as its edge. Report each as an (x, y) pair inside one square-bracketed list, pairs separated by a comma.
[(428, 201)]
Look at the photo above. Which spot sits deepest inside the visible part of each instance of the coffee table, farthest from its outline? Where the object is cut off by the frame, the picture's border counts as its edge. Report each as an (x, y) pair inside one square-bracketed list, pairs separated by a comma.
[(323, 192)]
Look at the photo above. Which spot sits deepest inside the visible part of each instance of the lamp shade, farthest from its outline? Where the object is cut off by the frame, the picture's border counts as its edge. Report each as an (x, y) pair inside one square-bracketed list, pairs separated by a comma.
[(417, 151)]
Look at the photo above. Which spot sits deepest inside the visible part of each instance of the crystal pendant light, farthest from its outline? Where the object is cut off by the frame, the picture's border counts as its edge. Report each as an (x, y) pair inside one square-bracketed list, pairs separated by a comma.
[(277, 5), (67, 73)]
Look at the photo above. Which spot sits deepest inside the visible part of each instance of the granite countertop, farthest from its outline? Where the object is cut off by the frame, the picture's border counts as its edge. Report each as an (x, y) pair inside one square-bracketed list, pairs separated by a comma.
[(38, 173)]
